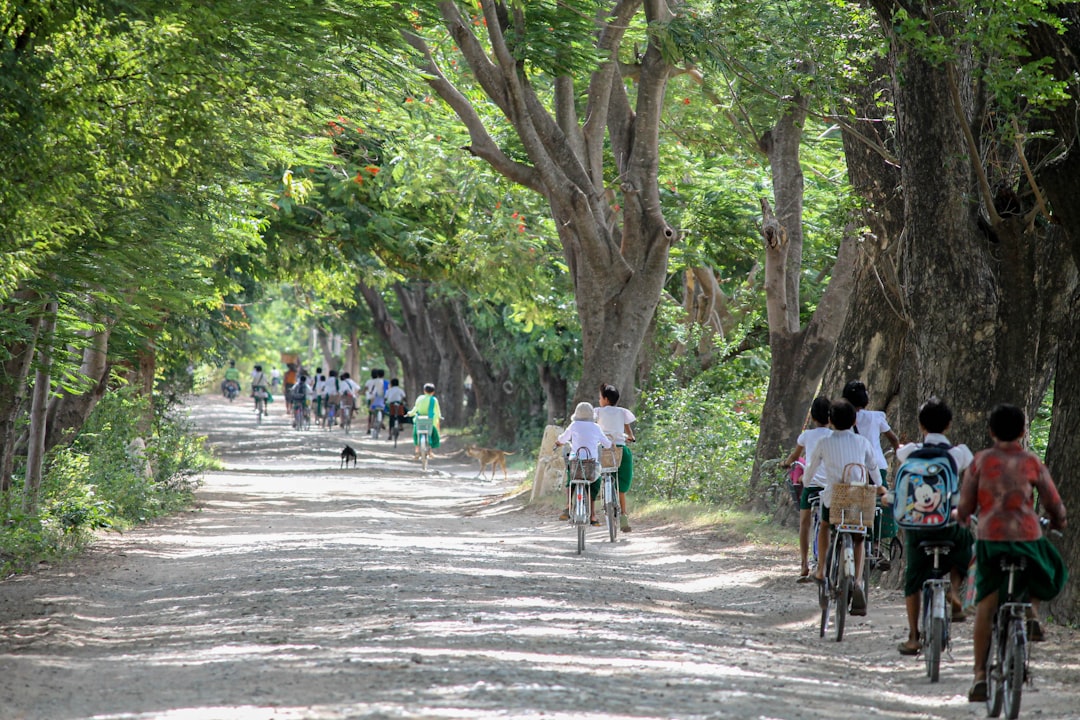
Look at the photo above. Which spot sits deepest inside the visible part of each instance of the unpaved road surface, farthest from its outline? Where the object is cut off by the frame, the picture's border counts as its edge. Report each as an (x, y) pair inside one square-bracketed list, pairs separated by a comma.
[(298, 589)]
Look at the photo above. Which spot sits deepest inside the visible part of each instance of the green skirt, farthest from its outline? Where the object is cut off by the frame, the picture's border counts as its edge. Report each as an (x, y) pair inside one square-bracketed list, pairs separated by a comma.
[(433, 437), (1044, 577)]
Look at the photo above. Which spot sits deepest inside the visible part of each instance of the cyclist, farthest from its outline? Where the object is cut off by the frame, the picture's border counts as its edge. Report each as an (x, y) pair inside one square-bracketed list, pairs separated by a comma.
[(395, 402), (300, 392), (290, 380), (872, 424), (258, 387), (807, 441), (615, 422), (835, 452), (1000, 486), (426, 405), (375, 392), (584, 437), (232, 376), (934, 419)]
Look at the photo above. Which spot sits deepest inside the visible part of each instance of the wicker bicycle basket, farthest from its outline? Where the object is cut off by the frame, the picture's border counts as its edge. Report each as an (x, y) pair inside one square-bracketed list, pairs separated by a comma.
[(611, 457), (584, 470), (852, 504)]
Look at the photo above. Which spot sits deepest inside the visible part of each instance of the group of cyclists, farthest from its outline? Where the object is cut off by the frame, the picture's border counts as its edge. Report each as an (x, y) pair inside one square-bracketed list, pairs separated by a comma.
[(1003, 484), (329, 398)]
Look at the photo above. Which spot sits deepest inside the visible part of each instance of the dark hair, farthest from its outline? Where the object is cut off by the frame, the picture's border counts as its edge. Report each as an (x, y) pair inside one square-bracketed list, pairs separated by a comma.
[(842, 415), (393, 382), (610, 393), (429, 387), (345, 376), (935, 416), (333, 373), (855, 393), (232, 363), (819, 410), (259, 368), (318, 370), (374, 373), (1007, 422)]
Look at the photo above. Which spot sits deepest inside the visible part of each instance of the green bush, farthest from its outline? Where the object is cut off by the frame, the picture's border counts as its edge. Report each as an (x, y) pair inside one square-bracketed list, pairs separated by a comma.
[(697, 429), (101, 481)]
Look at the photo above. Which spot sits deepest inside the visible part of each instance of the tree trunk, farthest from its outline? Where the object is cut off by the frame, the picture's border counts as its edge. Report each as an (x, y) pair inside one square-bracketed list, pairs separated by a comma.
[(1059, 177), (488, 383), (556, 394), (615, 239), (39, 405), (68, 411), (799, 356), (450, 381), (144, 380), (16, 369)]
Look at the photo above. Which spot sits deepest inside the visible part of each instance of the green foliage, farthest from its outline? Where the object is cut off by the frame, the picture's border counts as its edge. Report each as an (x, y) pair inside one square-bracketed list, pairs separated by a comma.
[(99, 482), (697, 431)]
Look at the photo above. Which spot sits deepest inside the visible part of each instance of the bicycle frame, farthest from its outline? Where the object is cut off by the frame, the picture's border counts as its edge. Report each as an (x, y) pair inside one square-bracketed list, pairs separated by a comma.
[(1007, 664)]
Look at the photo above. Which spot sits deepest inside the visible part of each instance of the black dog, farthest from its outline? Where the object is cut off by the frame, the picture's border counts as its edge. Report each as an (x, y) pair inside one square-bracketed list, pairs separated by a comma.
[(347, 455)]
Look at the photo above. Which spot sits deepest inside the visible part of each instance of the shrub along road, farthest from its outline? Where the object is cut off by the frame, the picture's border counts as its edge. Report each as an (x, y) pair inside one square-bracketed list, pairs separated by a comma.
[(297, 589)]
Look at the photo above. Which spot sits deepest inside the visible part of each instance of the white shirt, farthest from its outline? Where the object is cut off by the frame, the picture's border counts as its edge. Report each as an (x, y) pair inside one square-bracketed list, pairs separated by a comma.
[(348, 385), (871, 424), (809, 440), (375, 387), (837, 451), (395, 394), (961, 455), (613, 420), (583, 437)]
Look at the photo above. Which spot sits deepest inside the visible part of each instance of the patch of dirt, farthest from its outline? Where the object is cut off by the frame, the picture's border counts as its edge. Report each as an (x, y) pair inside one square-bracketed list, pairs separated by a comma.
[(299, 589)]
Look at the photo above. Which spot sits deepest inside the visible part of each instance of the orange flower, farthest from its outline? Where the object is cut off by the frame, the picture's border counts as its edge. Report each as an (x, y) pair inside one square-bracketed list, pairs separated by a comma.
[(373, 169)]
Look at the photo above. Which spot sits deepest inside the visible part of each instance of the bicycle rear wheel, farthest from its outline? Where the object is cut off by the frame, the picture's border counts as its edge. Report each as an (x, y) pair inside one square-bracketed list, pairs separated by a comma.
[(423, 451), (844, 584), (994, 680), (934, 642), (1012, 668), (611, 508)]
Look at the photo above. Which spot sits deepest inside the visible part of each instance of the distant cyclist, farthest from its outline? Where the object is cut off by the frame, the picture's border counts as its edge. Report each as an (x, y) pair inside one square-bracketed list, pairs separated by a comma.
[(232, 377), (258, 387)]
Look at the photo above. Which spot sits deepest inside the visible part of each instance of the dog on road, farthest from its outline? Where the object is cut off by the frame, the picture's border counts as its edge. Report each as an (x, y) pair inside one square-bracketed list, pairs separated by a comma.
[(489, 456), (347, 455)]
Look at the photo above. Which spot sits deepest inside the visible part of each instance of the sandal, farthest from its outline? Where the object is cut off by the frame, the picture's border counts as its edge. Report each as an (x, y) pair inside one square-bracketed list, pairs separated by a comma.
[(565, 515), (977, 693), (594, 521), (906, 648), (804, 577)]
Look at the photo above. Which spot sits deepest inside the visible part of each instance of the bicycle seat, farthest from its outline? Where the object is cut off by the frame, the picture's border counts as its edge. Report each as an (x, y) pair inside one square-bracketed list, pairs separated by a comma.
[(929, 546), (1013, 562)]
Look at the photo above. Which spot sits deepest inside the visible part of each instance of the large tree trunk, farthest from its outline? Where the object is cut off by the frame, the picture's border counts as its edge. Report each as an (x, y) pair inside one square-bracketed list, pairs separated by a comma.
[(799, 356), (615, 240), (450, 382), (39, 405), (69, 411), (1059, 176), (489, 383), (556, 394)]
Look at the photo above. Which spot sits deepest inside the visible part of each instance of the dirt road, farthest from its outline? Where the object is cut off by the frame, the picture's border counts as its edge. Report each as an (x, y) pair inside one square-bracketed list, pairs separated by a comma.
[(301, 590)]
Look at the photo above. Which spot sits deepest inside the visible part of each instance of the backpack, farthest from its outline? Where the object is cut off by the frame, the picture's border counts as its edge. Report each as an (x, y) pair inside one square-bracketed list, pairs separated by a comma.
[(926, 486)]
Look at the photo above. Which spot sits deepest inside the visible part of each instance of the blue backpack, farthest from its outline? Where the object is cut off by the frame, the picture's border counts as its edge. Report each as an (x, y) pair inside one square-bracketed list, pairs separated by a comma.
[(926, 487)]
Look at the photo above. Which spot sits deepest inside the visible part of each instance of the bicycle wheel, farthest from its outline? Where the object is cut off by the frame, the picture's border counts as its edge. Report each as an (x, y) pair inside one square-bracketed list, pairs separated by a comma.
[(994, 680), (935, 640), (378, 424), (423, 451), (844, 584), (1012, 668), (611, 509), (346, 419), (258, 411), (395, 430)]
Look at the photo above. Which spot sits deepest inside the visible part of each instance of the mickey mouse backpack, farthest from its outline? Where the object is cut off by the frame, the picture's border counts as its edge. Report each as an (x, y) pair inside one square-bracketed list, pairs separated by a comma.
[(926, 487)]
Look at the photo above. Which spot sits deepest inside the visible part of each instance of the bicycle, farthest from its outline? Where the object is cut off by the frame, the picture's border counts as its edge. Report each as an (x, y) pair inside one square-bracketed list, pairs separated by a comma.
[(260, 404), (301, 417), (609, 489), (1008, 660), (423, 433), (346, 412), (375, 418), (851, 505), (583, 471), (331, 415), (935, 620), (397, 414)]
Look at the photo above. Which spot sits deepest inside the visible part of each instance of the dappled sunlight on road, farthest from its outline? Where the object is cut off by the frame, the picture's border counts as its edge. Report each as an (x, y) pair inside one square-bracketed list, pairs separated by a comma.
[(304, 590)]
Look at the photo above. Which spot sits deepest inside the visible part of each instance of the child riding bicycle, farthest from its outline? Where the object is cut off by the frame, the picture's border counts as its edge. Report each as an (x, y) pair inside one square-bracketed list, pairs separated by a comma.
[(934, 419), (584, 437), (841, 449), (812, 486), (1000, 486)]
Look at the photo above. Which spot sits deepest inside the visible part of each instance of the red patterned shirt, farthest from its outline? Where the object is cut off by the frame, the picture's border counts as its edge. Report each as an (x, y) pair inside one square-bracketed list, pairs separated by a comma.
[(1000, 486)]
